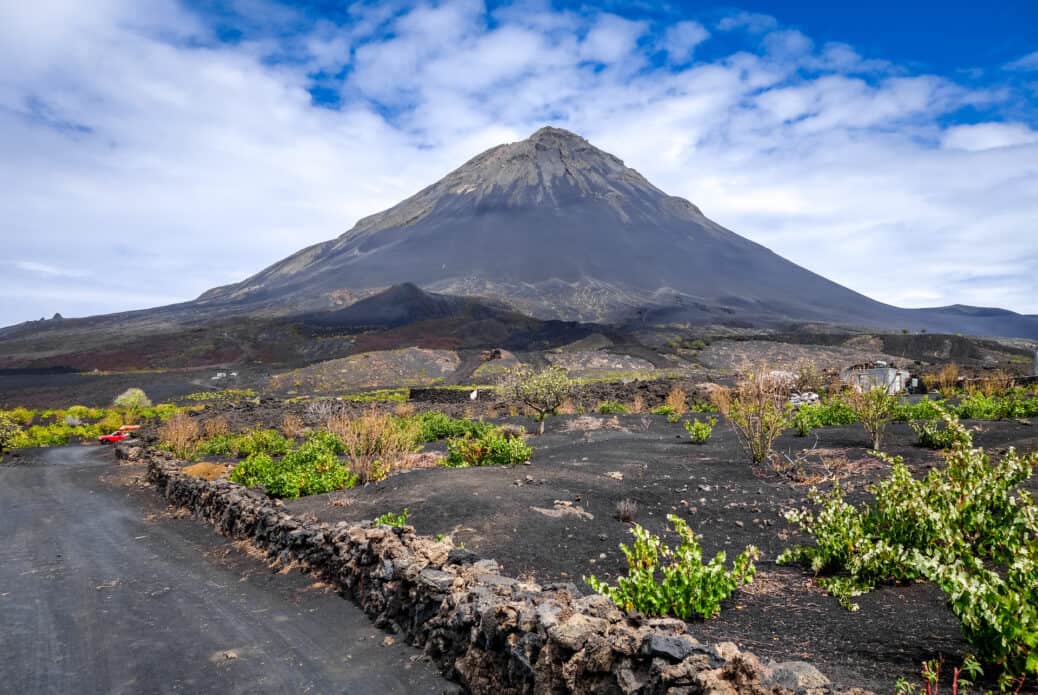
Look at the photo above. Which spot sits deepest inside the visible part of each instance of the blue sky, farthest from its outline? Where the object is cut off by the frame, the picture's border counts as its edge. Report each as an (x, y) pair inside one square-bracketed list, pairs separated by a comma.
[(156, 148)]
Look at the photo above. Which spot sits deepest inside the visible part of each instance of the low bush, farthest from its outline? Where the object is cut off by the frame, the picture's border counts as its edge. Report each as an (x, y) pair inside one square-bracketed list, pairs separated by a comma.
[(671, 414), (22, 416), (925, 409), (392, 519), (312, 469), (436, 425), (245, 444), (613, 408), (829, 414), (9, 430), (969, 528), (494, 448), (700, 431), (757, 410), (875, 409), (937, 435), (674, 581)]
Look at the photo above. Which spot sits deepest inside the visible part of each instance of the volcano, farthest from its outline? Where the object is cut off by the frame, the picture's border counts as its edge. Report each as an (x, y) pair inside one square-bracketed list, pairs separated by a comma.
[(559, 229), (550, 228)]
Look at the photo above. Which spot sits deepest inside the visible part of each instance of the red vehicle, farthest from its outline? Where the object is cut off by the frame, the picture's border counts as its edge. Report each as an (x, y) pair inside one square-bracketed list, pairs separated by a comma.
[(120, 434)]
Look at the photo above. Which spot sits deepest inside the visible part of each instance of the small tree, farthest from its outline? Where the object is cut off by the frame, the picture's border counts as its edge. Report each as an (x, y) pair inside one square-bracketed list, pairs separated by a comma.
[(132, 400), (875, 408), (758, 409), (8, 430), (542, 391)]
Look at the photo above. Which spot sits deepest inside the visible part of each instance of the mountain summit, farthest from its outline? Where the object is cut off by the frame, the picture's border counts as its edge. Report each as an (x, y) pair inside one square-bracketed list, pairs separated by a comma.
[(554, 227)]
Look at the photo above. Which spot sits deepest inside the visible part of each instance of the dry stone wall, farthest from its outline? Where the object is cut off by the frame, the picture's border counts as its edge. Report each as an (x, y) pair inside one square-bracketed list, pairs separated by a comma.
[(488, 632)]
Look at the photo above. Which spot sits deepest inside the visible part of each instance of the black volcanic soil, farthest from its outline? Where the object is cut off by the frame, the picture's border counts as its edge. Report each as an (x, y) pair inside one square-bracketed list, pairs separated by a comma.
[(782, 616)]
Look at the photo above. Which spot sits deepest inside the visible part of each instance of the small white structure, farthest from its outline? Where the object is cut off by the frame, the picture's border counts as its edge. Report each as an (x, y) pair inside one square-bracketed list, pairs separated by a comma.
[(474, 395), (878, 374)]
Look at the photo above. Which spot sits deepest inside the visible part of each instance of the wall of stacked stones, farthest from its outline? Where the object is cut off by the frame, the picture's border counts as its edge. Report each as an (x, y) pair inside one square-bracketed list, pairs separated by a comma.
[(488, 632)]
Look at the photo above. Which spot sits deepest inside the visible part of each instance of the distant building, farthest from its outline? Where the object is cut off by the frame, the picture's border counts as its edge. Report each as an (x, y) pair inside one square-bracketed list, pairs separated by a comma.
[(879, 374)]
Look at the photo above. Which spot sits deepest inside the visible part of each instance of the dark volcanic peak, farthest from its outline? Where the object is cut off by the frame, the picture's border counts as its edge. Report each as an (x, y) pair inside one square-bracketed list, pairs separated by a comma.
[(555, 228)]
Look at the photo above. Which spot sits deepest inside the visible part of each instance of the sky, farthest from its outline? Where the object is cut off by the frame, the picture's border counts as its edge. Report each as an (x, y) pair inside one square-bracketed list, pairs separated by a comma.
[(152, 149)]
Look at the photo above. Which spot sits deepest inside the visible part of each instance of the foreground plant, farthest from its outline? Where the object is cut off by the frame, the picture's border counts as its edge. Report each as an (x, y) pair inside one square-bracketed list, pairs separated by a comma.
[(757, 410), (969, 528), (674, 581)]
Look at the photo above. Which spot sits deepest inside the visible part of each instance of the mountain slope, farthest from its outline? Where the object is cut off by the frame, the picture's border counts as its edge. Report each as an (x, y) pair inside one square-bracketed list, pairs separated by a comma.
[(557, 228)]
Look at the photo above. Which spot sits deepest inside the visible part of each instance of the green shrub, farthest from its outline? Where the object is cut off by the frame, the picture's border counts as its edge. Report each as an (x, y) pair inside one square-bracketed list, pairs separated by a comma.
[(613, 408), (22, 416), (494, 448), (312, 469), (830, 414), (391, 519), (925, 409), (969, 528), (674, 581), (936, 435), (437, 425), (9, 430), (700, 431), (242, 445), (669, 411)]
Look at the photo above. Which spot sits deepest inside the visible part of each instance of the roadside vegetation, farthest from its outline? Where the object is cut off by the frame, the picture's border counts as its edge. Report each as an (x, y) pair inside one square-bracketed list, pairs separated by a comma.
[(62, 426), (344, 451), (968, 527)]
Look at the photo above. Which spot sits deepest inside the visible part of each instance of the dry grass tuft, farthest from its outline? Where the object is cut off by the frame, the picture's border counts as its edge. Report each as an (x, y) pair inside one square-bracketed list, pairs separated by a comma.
[(180, 434), (638, 404), (568, 407), (677, 400), (216, 427), (292, 426), (404, 409), (376, 444)]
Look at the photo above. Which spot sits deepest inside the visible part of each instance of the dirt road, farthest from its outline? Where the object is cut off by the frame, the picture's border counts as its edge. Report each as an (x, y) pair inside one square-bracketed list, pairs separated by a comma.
[(101, 591)]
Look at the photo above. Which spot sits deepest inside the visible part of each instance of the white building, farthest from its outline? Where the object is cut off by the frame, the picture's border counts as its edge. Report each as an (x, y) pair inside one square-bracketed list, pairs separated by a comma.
[(879, 374)]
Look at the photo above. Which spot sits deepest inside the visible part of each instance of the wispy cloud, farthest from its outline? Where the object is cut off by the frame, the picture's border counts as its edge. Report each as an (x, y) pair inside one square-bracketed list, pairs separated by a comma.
[(1026, 63), (161, 152)]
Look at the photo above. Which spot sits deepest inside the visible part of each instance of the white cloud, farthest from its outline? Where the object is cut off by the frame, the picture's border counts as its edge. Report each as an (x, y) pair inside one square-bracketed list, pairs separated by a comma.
[(681, 39), (611, 39), (752, 22), (146, 161), (1025, 63), (986, 136), (48, 269)]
